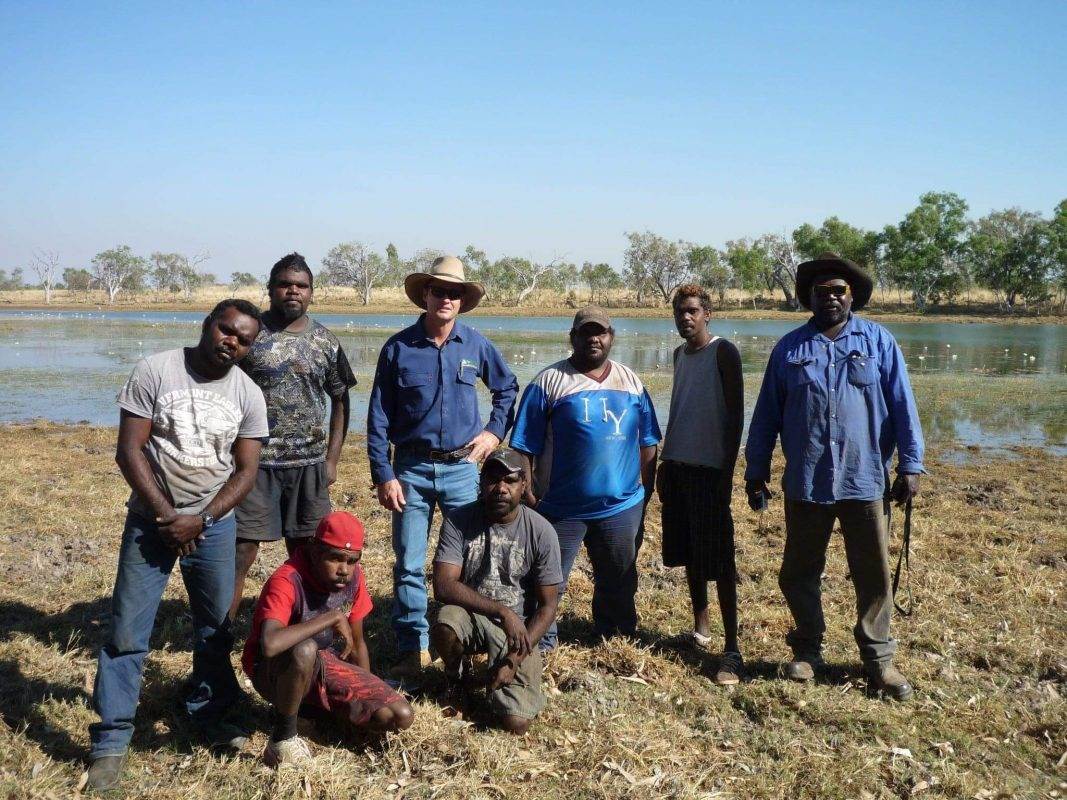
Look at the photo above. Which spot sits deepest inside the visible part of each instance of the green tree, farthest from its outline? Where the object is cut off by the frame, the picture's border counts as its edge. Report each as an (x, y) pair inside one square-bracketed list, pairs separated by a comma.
[(841, 238), (783, 258), (654, 261), (835, 236), (708, 268), (510, 280), (395, 267), (600, 279), (176, 272), (750, 264), (118, 270), (1011, 253), (1057, 229), (243, 280), (352, 264), (12, 281), (925, 252), (77, 280)]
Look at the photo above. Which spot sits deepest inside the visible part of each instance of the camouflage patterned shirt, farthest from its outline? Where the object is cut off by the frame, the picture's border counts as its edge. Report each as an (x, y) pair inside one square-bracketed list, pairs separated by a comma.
[(297, 373)]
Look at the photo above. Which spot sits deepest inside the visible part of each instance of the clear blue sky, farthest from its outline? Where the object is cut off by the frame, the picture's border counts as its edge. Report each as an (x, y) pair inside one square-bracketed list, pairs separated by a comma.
[(534, 129)]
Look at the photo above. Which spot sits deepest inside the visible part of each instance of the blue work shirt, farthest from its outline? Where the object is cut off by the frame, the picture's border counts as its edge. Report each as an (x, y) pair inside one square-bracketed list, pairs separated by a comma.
[(426, 395), (841, 407)]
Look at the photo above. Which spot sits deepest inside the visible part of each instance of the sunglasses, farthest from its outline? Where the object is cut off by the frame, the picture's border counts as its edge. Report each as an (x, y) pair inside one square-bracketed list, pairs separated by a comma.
[(823, 292), (441, 292)]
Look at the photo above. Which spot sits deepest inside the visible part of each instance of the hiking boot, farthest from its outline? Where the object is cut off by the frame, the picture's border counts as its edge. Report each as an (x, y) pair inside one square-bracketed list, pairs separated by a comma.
[(224, 736), (293, 750), (887, 679), (803, 667), (105, 772), (411, 664), (731, 669)]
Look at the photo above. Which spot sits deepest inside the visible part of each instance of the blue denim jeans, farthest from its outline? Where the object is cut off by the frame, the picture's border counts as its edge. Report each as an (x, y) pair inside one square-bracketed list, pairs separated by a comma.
[(145, 564), (426, 484), (612, 544)]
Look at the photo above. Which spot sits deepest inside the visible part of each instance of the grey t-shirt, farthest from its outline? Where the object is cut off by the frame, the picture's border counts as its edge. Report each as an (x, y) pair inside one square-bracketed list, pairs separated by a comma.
[(194, 424), (521, 556), (696, 427)]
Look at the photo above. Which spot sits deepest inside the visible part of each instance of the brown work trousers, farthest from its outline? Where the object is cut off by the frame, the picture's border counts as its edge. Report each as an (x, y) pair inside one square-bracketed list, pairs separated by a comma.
[(865, 529)]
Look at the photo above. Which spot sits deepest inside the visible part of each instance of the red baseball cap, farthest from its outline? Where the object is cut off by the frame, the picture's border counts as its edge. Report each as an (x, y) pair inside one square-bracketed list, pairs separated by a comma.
[(341, 530)]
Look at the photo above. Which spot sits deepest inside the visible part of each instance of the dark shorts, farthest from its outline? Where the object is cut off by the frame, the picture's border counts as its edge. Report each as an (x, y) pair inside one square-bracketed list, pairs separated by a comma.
[(285, 501), (698, 530), (344, 691)]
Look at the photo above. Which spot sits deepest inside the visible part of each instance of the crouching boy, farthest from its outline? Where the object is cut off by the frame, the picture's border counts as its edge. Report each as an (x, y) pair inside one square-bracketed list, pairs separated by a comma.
[(306, 650), (497, 572)]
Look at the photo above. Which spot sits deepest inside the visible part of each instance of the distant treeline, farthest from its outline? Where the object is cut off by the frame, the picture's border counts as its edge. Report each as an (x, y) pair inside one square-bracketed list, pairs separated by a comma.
[(931, 256)]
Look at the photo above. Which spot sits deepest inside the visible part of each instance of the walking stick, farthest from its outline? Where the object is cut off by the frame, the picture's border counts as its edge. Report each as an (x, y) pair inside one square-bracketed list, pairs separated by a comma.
[(904, 561)]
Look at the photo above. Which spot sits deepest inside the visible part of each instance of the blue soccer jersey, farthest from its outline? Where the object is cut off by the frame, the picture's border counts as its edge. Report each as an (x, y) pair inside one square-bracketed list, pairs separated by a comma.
[(585, 438)]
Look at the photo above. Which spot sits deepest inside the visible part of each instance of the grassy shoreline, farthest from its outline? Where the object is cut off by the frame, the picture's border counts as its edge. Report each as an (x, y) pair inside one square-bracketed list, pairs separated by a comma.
[(626, 719), (391, 301)]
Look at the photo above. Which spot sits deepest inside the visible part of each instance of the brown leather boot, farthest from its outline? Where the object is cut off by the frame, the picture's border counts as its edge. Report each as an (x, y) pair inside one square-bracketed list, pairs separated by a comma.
[(803, 667), (887, 679)]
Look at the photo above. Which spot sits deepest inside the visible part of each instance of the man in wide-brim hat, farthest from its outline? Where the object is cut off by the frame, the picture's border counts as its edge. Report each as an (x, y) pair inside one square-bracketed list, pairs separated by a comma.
[(860, 283), (446, 270), (836, 390), (424, 403)]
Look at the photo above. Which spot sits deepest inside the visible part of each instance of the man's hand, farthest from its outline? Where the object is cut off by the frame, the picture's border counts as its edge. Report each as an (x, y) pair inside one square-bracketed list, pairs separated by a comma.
[(331, 472), (515, 630), (758, 493), (659, 482), (391, 495), (342, 628), (481, 445), (905, 487), (179, 531), (504, 673)]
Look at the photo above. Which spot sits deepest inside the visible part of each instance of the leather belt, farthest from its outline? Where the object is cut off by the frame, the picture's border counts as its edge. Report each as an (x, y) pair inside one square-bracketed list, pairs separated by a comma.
[(433, 454)]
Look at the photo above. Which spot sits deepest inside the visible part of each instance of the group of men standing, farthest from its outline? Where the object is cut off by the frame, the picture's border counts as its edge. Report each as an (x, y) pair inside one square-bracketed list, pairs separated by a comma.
[(198, 439)]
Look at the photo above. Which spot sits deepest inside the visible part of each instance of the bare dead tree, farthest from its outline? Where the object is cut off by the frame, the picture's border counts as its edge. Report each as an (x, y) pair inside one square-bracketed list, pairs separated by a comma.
[(46, 265)]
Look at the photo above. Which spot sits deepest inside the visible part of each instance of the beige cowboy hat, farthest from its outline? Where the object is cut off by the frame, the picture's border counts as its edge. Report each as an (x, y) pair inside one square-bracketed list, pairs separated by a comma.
[(446, 269)]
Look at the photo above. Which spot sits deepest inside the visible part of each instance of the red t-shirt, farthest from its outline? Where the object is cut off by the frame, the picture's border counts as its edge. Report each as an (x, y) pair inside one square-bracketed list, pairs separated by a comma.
[(291, 596)]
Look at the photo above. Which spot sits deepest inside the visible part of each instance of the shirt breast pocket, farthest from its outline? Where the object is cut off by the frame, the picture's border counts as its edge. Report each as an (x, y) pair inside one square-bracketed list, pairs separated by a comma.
[(862, 369), (467, 375), (415, 390), (800, 372)]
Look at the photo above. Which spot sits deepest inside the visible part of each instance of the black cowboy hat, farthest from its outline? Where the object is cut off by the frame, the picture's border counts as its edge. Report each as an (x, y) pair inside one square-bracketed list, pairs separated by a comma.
[(860, 283)]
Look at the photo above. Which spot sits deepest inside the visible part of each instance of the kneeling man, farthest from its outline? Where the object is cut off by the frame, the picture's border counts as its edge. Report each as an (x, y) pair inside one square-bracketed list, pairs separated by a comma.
[(306, 649), (497, 572)]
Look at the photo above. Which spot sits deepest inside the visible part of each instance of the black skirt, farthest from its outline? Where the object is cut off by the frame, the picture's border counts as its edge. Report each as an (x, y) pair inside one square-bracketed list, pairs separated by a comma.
[(698, 529)]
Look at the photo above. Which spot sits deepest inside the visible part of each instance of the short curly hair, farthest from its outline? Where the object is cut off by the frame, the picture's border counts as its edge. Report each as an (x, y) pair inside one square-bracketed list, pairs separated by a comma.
[(294, 262), (688, 290), (245, 307)]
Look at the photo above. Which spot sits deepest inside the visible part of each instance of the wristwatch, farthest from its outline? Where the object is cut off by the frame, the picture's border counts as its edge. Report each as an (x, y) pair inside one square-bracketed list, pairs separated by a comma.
[(207, 519)]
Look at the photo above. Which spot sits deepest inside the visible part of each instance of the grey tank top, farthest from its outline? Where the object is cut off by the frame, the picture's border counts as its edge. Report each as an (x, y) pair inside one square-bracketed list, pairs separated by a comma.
[(697, 420)]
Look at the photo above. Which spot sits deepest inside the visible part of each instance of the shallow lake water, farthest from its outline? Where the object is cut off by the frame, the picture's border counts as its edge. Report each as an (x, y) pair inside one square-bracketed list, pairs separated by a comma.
[(977, 385)]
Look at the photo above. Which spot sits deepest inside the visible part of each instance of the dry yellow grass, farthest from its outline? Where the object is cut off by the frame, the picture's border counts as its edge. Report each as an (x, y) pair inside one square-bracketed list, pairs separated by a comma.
[(627, 719), (975, 306)]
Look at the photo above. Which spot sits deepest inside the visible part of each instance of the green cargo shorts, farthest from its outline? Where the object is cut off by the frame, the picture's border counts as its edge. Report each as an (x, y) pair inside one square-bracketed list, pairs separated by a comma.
[(478, 634)]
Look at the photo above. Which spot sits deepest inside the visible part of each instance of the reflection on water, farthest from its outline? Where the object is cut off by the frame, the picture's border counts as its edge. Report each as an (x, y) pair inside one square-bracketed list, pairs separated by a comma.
[(68, 365)]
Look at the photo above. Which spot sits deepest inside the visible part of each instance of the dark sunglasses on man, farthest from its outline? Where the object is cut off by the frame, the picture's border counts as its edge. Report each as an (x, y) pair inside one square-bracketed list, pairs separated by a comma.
[(441, 292), (823, 292)]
